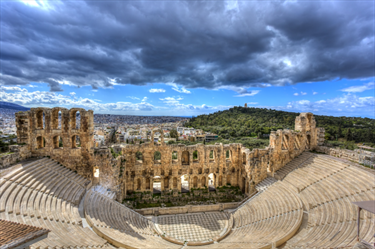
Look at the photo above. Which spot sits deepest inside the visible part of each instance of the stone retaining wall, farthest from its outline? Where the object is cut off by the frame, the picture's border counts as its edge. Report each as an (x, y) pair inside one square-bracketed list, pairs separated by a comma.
[(187, 209), (18, 153)]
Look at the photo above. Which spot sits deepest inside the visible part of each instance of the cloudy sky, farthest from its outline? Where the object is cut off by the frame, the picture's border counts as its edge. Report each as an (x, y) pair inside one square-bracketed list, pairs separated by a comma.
[(189, 57)]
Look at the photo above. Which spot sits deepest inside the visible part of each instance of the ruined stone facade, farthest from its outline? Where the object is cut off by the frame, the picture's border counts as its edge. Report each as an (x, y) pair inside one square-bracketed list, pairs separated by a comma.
[(138, 166)]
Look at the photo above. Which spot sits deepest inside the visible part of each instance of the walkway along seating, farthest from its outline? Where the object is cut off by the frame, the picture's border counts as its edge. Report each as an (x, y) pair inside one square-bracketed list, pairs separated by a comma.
[(45, 194)]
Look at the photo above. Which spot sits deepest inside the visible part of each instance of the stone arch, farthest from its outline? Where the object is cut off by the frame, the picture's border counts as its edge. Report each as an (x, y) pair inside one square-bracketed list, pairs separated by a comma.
[(139, 157), (185, 182), (166, 183), (228, 155), (148, 185), (199, 171), (157, 157), (40, 119), (40, 142), (203, 181), (195, 156), (296, 142), (139, 184), (56, 142), (74, 123), (185, 157), (174, 156), (195, 182), (211, 180), (212, 156), (96, 172), (76, 141), (229, 182)]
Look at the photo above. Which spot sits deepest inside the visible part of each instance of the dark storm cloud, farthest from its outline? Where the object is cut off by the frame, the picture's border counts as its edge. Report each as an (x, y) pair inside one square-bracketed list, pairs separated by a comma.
[(208, 44)]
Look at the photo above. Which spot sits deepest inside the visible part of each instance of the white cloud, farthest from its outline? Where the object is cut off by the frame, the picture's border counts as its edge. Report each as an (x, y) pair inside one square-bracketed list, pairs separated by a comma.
[(132, 97), (295, 94), (248, 93), (359, 89), (144, 99), (315, 93), (175, 102), (72, 94), (178, 89), (157, 90), (303, 93), (252, 103), (32, 86), (94, 90)]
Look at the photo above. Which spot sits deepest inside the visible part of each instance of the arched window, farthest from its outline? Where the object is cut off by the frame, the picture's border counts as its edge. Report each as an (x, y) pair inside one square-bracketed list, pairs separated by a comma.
[(195, 182), (138, 184), (40, 142), (96, 172), (157, 157), (76, 142), (212, 156), (56, 119), (75, 120), (200, 171), (57, 142), (185, 183), (211, 180), (228, 155), (174, 157), (195, 156), (139, 157), (185, 158), (147, 183), (203, 181), (40, 119)]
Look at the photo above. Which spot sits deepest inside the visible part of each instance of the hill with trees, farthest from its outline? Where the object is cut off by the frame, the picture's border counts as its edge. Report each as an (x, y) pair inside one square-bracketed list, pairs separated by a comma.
[(239, 122)]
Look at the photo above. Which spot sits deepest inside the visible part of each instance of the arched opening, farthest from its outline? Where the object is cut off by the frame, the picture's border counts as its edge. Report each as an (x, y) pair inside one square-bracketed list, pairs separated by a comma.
[(56, 142), (75, 120), (203, 181), (195, 156), (296, 143), (174, 157), (211, 181), (148, 183), (139, 157), (166, 183), (229, 182), (185, 183), (243, 158), (139, 184), (200, 171), (185, 158), (40, 116), (96, 172), (195, 182), (156, 185), (76, 142), (40, 142), (211, 157), (228, 155), (157, 157), (233, 170), (56, 119), (220, 180), (175, 182)]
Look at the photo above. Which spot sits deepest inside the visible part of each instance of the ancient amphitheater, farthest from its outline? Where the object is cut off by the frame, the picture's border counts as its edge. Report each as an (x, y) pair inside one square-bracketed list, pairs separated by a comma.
[(54, 198)]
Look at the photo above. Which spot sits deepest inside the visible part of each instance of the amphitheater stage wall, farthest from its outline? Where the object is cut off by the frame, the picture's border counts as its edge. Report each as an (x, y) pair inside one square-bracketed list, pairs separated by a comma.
[(187, 209)]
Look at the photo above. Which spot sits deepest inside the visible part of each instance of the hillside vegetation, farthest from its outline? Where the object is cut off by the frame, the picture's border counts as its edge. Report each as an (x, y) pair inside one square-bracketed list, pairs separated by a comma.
[(239, 122)]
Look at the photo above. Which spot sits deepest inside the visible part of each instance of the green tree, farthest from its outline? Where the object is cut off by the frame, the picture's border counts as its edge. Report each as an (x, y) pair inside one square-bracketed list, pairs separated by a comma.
[(173, 134)]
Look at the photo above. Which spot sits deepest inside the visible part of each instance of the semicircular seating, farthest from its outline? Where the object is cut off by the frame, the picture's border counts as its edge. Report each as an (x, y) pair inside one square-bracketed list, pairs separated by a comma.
[(120, 225), (327, 188), (45, 194)]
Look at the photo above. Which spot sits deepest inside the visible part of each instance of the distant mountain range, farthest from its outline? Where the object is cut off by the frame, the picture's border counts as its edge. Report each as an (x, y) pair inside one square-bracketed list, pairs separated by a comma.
[(7, 105)]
